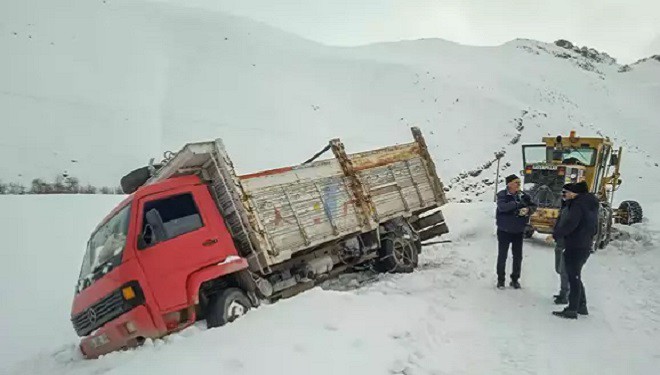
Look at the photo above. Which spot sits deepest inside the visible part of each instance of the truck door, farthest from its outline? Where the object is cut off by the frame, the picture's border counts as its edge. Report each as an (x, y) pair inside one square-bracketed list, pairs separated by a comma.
[(180, 231)]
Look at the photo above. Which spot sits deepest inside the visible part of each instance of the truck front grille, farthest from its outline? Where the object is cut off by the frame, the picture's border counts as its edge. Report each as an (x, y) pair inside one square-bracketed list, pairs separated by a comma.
[(105, 310)]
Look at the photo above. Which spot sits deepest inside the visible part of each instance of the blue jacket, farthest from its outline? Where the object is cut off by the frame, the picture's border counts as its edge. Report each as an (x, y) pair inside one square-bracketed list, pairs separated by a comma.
[(579, 224), (508, 206)]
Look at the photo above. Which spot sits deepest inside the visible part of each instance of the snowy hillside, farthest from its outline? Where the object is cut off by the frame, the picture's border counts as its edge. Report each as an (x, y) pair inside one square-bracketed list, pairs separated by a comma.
[(112, 83)]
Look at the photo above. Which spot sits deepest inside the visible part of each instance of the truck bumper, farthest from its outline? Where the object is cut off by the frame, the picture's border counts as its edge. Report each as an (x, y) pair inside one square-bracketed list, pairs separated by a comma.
[(126, 331)]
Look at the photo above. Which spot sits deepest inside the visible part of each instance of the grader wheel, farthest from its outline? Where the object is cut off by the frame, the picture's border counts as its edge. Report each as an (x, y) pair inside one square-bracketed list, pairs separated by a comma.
[(630, 212), (604, 235)]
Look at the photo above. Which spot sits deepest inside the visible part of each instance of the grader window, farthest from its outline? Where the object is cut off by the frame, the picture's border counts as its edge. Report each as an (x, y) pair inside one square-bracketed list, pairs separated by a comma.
[(575, 156), (533, 154)]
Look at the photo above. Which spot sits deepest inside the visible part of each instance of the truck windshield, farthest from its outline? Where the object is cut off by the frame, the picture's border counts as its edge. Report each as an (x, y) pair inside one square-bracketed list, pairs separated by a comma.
[(104, 248)]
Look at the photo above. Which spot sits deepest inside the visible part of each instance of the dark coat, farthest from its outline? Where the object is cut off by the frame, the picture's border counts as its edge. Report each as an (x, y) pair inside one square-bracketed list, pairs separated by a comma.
[(508, 207), (563, 212), (579, 223)]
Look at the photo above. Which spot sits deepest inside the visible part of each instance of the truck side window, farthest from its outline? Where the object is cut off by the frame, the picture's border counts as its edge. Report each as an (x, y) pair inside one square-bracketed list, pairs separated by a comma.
[(167, 218)]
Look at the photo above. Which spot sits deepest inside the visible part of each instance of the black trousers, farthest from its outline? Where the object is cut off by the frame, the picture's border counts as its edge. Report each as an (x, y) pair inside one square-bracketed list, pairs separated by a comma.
[(575, 260), (515, 240)]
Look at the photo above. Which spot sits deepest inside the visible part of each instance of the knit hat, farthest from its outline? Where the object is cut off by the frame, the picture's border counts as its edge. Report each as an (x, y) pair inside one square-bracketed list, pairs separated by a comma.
[(577, 188), (511, 178)]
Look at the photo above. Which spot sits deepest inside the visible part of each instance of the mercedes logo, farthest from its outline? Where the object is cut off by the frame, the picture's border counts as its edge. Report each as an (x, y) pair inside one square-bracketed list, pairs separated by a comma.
[(91, 315)]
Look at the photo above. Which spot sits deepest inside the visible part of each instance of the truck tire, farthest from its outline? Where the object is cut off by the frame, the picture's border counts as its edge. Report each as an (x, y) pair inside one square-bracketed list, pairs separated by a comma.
[(397, 255), (226, 306), (633, 210), (134, 179)]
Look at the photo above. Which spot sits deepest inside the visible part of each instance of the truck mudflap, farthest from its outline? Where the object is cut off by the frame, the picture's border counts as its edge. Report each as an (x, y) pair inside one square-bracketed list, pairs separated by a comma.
[(127, 331), (430, 226)]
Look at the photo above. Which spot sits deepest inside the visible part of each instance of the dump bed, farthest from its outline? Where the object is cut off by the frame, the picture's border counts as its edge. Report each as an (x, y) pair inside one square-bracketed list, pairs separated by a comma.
[(276, 213)]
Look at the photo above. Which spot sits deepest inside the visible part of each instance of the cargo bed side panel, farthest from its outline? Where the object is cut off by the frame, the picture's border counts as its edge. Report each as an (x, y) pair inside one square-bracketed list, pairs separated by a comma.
[(397, 180), (302, 207), (398, 189)]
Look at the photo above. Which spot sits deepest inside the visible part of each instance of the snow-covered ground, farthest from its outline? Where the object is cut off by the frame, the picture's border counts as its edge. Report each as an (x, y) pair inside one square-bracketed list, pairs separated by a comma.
[(43, 240), (445, 318), (98, 87)]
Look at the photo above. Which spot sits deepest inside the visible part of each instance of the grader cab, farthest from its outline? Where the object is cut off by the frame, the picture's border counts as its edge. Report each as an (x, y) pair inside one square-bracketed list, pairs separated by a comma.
[(558, 161)]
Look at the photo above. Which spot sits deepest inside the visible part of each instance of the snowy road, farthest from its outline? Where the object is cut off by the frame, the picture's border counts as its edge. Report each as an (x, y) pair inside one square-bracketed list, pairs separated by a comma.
[(446, 318)]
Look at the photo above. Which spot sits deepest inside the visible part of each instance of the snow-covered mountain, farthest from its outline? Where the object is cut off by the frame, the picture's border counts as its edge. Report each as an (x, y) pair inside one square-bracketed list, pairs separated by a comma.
[(110, 84)]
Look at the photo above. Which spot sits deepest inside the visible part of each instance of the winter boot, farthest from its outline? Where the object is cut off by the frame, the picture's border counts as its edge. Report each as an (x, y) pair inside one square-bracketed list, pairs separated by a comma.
[(515, 284), (561, 299), (582, 310), (566, 314), (500, 284)]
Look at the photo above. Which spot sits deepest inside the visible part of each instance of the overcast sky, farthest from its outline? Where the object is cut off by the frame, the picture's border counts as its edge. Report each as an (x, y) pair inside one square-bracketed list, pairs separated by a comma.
[(627, 30)]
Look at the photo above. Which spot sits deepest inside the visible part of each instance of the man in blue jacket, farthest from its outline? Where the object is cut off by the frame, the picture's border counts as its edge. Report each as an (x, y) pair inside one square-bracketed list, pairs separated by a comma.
[(513, 210), (577, 229)]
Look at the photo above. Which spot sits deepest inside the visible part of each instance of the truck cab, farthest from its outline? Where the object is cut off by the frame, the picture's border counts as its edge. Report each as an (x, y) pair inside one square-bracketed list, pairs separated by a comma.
[(138, 275)]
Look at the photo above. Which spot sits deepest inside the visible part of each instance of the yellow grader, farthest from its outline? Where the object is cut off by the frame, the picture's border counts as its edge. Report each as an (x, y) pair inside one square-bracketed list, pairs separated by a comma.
[(561, 160)]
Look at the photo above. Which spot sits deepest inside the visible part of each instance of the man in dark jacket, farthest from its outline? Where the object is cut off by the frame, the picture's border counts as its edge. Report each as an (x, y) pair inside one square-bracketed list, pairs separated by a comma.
[(560, 265), (577, 229), (513, 210)]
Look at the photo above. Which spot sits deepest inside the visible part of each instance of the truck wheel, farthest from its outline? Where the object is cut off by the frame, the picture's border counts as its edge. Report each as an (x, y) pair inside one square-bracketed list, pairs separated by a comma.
[(397, 255), (633, 212), (136, 178), (227, 306)]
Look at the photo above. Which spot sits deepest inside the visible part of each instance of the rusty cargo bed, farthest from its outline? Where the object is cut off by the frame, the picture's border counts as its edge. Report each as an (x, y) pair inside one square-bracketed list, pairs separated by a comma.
[(274, 214)]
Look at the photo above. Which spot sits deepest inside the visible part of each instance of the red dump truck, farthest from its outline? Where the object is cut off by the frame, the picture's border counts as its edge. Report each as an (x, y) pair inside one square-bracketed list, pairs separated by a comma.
[(195, 241)]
